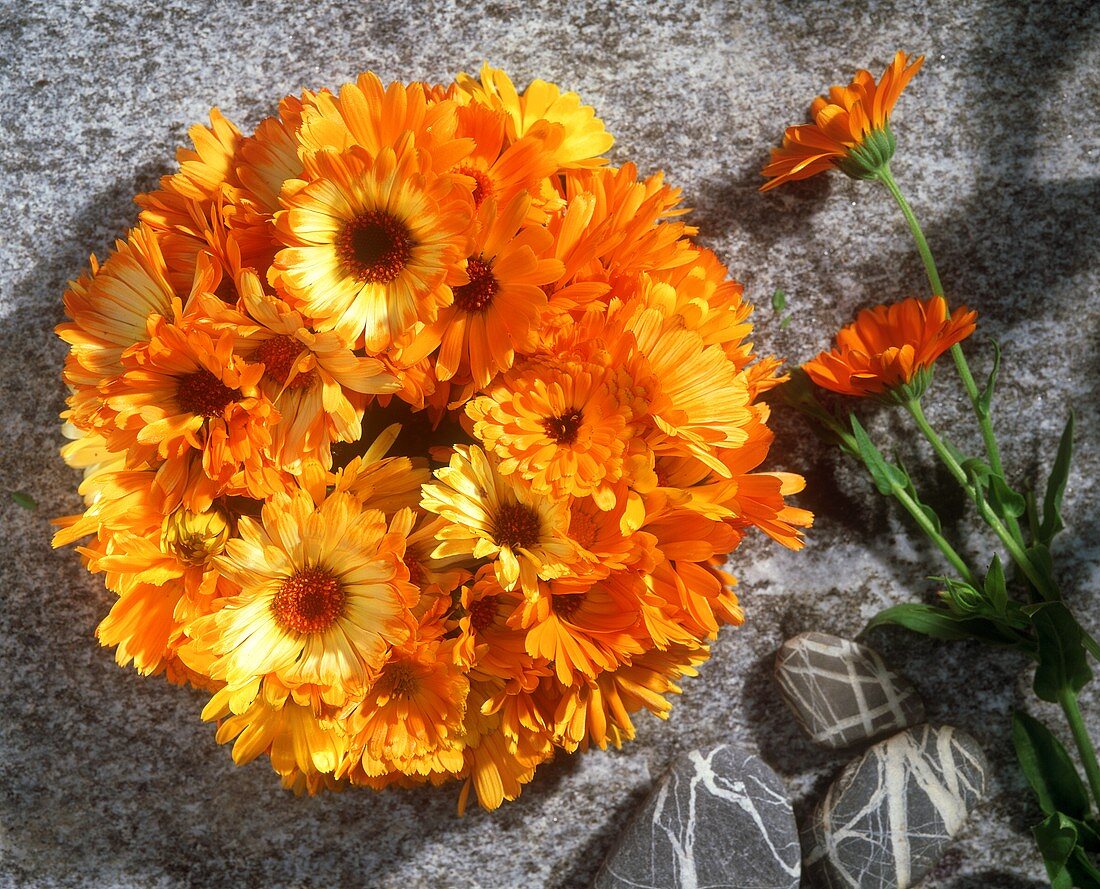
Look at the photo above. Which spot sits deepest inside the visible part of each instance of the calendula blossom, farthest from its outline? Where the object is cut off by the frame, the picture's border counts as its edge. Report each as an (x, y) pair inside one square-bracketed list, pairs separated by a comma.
[(850, 129)]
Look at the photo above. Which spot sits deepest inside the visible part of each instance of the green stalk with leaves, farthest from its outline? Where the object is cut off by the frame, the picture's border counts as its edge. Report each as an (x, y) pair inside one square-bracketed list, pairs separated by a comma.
[(889, 354)]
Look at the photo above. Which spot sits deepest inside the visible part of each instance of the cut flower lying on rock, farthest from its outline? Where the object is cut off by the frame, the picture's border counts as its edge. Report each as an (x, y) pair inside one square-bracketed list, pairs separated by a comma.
[(416, 435)]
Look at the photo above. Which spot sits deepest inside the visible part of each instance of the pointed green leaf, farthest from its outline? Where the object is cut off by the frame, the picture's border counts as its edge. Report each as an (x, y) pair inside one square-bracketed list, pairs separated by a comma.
[(872, 459), (1004, 500), (1083, 872), (910, 489), (939, 623), (24, 500), (1048, 768), (1056, 838), (779, 301), (1062, 660), (1039, 556), (924, 619), (1056, 485), (1032, 513), (976, 469), (1088, 834), (986, 397), (996, 591)]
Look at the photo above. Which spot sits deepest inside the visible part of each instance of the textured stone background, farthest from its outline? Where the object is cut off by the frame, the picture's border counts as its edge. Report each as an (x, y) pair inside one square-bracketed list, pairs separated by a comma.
[(108, 779)]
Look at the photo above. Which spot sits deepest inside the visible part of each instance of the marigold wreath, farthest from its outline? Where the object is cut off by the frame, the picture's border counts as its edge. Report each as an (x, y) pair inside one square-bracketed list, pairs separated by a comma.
[(417, 435)]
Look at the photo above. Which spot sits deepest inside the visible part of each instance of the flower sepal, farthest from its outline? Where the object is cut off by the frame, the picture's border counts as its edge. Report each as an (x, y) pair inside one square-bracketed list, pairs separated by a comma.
[(869, 158), (904, 393)]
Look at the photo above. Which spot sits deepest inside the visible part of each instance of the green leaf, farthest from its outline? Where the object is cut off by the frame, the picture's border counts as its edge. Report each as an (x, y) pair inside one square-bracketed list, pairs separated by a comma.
[(1062, 661), (1032, 514), (1088, 833), (872, 459), (1056, 485), (1039, 556), (1048, 768), (928, 620), (976, 469), (1056, 838), (931, 514), (1082, 871), (939, 623), (959, 456), (779, 300), (996, 591), (986, 397), (1004, 500), (24, 500)]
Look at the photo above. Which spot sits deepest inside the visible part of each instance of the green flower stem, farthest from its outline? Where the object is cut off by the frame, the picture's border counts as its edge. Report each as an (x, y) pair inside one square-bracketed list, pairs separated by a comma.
[(1014, 547), (991, 448), (1068, 701), (950, 553), (811, 408), (887, 179)]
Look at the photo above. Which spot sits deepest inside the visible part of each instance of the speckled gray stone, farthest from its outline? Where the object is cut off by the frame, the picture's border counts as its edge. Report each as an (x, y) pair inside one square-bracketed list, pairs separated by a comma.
[(841, 692), (719, 818), (889, 816), (109, 779)]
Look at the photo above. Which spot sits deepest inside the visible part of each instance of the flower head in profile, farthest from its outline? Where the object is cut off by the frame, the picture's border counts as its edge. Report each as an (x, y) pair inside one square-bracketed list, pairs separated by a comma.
[(889, 350), (850, 129)]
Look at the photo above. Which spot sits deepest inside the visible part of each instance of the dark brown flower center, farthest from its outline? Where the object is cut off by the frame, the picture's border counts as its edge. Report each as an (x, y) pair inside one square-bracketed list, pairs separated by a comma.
[(478, 294), (516, 526), (203, 394), (564, 429), (279, 355), (483, 185), (374, 247), (482, 613), (310, 601), (566, 606), (402, 680)]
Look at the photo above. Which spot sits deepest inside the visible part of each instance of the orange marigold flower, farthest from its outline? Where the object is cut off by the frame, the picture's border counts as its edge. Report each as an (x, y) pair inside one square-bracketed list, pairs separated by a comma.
[(500, 518), (584, 140), (416, 705), (496, 311), (581, 629), (559, 424), (890, 350), (186, 391), (372, 244), (299, 745), (324, 594), (309, 376), (850, 129)]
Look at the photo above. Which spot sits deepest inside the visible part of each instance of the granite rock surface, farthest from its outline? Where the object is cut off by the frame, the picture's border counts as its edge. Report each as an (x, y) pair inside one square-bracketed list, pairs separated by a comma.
[(110, 779), (841, 692), (890, 815), (718, 818)]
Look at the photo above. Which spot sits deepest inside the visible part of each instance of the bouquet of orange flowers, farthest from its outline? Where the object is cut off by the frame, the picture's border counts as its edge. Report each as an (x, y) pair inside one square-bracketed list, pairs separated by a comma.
[(417, 435), (889, 353)]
